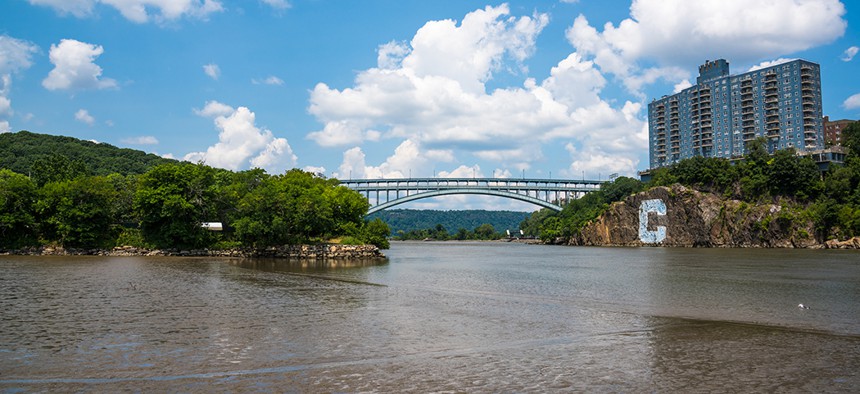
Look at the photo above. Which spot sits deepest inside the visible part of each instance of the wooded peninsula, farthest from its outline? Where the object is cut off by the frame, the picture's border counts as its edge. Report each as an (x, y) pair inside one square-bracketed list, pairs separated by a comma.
[(78, 194)]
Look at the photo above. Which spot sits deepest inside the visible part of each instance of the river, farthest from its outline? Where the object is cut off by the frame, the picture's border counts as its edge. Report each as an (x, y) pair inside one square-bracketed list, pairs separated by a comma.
[(436, 317)]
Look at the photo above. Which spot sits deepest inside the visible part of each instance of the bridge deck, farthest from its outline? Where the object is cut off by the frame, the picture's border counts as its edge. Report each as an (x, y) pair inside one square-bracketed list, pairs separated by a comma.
[(522, 184)]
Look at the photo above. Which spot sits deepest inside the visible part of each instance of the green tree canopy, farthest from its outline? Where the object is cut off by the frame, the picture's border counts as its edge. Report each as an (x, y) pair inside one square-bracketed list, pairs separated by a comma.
[(18, 196)]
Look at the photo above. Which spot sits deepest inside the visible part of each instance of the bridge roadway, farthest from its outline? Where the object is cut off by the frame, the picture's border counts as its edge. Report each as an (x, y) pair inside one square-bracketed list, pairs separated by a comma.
[(547, 193)]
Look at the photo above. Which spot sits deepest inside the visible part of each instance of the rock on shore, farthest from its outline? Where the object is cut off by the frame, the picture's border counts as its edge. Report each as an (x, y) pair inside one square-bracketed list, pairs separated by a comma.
[(683, 217), (324, 251)]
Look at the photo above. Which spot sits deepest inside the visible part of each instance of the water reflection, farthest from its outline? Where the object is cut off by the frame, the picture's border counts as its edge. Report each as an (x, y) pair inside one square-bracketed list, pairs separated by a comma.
[(479, 317), (307, 265)]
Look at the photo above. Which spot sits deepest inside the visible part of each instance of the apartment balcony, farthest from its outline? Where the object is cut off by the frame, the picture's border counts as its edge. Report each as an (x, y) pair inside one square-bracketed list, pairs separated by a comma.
[(770, 85), (805, 67)]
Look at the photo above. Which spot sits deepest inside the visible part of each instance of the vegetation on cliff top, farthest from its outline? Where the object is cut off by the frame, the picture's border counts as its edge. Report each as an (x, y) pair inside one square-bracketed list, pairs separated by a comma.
[(66, 202), (831, 200)]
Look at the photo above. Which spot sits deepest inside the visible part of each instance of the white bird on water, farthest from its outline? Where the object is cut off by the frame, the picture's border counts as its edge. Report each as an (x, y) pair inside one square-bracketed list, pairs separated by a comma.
[(801, 306)]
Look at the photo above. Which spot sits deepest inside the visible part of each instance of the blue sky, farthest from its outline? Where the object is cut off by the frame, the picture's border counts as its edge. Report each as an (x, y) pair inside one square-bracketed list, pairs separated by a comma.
[(388, 88)]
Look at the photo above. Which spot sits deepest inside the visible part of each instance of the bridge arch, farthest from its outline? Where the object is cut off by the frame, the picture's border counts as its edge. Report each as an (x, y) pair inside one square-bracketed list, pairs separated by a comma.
[(547, 193), (486, 192)]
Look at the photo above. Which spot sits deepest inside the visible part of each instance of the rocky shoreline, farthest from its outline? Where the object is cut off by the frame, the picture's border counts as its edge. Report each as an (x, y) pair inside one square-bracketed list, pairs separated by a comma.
[(322, 252), (678, 216)]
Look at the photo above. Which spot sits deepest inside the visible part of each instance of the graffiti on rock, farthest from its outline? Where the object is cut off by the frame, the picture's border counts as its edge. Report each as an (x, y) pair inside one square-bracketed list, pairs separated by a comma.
[(650, 236)]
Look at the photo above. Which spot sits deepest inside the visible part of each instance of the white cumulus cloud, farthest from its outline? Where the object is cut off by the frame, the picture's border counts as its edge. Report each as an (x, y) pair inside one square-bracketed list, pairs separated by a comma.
[(271, 80), (852, 102), (241, 143), (74, 67), (432, 95), (141, 140), (84, 116), (769, 63), (212, 70), (849, 54), (15, 55), (138, 11), (314, 170), (676, 33)]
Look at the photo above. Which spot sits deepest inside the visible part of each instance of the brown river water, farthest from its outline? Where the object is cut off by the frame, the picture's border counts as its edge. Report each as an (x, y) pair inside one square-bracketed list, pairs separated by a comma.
[(436, 317)]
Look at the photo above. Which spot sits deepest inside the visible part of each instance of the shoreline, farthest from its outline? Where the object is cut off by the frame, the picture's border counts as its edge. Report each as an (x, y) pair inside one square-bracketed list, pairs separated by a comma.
[(321, 251)]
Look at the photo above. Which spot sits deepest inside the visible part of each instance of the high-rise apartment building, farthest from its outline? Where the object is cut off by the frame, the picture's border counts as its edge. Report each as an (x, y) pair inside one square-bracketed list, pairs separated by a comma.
[(719, 115)]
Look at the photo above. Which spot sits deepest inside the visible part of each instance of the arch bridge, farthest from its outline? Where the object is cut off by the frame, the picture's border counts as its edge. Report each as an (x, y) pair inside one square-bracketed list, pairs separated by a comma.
[(547, 193)]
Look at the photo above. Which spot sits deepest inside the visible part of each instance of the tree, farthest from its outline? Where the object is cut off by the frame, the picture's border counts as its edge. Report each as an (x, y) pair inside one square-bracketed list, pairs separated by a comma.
[(376, 232), (620, 188), (297, 207), (791, 176), (56, 168), (172, 201), (486, 231), (77, 213), (17, 215)]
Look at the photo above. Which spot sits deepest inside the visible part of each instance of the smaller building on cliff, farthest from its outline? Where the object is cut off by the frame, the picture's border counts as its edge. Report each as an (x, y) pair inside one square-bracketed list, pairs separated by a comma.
[(833, 130)]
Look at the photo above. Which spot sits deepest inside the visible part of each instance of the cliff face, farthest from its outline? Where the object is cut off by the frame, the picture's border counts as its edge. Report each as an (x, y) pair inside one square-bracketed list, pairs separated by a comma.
[(679, 216)]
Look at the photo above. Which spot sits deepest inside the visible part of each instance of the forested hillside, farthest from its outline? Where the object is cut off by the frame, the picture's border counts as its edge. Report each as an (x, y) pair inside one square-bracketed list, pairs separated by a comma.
[(405, 220), (23, 150)]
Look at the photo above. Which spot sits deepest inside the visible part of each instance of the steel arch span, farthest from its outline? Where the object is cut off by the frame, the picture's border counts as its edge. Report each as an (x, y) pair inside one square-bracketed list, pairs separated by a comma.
[(437, 193), (546, 193)]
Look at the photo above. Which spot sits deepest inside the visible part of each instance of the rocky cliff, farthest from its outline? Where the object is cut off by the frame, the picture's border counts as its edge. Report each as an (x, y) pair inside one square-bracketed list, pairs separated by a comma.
[(680, 216)]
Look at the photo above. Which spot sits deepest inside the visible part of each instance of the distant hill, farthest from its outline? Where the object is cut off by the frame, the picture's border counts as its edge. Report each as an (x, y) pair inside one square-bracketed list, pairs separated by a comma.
[(412, 219), (18, 152)]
